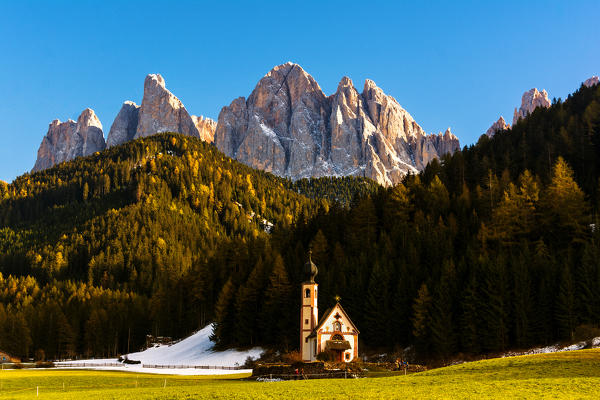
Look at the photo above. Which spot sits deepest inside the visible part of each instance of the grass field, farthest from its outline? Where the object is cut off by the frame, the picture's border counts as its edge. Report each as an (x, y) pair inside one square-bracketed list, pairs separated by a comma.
[(569, 375)]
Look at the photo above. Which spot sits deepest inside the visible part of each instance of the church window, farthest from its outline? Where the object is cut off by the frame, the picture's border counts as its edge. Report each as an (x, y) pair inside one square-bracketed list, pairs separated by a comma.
[(306, 322), (347, 356), (306, 340), (337, 337), (306, 293), (337, 326)]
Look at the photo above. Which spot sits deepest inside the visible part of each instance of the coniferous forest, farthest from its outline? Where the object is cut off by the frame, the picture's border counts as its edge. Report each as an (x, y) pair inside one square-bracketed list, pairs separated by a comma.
[(491, 248)]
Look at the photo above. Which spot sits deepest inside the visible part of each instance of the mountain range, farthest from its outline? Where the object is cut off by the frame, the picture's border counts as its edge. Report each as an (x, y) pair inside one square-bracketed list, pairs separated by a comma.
[(287, 126)]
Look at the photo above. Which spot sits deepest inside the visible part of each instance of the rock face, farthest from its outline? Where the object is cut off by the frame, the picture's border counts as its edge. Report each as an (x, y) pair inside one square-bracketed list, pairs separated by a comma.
[(594, 80), (161, 111), (290, 128), (531, 100), (124, 127), (206, 128), (497, 126), (67, 140)]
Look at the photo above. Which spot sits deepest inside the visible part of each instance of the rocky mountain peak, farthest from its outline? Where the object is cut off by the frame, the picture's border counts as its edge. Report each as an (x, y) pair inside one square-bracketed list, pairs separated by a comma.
[(152, 81), (449, 135), (65, 141), (372, 92), (594, 80), (345, 82), (531, 100), (88, 118), (124, 127), (161, 111), (497, 126), (289, 127)]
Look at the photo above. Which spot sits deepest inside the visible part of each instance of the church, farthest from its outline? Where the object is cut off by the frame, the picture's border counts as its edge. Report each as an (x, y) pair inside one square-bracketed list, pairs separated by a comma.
[(335, 332)]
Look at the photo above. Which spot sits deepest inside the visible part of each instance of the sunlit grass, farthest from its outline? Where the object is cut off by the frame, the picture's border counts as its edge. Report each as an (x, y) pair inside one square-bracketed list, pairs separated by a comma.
[(559, 375)]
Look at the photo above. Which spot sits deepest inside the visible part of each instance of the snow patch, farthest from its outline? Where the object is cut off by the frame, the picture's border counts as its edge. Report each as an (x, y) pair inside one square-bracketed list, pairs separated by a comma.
[(555, 348), (195, 350)]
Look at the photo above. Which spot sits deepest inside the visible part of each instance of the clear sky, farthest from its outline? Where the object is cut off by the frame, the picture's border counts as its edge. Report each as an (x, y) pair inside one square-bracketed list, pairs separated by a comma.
[(451, 64)]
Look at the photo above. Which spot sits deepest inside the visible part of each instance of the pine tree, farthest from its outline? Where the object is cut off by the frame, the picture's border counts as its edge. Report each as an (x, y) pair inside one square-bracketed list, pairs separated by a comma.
[(521, 300), (565, 306), (277, 321), (248, 306), (442, 314), (587, 286), (421, 320), (494, 314), (471, 306), (565, 210), (377, 306), (224, 325)]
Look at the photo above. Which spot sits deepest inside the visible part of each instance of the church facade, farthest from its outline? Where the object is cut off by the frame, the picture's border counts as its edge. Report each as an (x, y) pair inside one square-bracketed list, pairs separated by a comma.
[(335, 333)]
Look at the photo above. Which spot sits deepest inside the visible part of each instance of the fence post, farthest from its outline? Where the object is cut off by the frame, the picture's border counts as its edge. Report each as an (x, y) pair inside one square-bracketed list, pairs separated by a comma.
[(165, 384), (37, 391)]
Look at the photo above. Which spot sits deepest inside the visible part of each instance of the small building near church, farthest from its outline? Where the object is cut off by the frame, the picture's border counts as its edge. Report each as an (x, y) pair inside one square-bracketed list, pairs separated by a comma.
[(7, 358), (336, 333)]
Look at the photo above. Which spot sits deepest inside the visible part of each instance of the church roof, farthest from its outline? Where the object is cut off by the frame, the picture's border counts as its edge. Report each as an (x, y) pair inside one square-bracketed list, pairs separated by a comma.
[(326, 316)]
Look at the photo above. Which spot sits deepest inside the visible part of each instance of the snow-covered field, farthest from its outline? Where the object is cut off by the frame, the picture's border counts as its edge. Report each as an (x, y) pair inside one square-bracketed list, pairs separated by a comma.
[(194, 350)]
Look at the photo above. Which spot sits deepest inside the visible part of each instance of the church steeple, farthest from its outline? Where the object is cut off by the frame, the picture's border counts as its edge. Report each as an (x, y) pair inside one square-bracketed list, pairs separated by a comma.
[(309, 311), (310, 269)]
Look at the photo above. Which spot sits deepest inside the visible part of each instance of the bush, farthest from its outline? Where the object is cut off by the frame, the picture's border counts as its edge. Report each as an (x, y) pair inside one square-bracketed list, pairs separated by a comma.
[(326, 356), (586, 333), (18, 366), (40, 355), (250, 363), (291, 357), (44, 364)]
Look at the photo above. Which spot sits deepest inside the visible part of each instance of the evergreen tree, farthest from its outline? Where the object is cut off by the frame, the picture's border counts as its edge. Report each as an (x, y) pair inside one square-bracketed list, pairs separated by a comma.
[(224, 325), (565, 306), (277, 324), (442, 314), (421, 320)]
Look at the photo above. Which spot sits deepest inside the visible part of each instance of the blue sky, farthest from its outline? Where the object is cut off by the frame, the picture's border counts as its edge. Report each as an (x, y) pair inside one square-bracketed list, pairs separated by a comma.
[(448, 63)]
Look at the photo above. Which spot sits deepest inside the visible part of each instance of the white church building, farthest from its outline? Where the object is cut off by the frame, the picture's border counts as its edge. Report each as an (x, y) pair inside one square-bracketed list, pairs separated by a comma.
[(335, 333)]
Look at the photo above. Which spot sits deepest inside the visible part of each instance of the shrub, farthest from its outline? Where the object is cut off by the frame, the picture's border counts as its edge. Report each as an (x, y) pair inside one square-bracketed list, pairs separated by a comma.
[(44, 364)]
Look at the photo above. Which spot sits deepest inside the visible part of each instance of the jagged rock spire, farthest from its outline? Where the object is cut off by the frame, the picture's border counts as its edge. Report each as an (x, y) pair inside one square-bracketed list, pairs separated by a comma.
[(531, 100), (65, 141)]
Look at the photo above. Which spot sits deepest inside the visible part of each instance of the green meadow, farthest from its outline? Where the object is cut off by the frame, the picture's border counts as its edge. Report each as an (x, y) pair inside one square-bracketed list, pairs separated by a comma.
[(568, 375)]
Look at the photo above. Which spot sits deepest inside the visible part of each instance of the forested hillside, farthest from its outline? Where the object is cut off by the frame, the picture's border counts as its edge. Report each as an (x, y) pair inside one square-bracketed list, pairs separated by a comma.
[(491, 248), (138, 239)]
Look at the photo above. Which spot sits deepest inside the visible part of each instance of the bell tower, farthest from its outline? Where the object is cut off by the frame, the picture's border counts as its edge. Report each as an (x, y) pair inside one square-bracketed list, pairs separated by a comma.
[(309, 312)]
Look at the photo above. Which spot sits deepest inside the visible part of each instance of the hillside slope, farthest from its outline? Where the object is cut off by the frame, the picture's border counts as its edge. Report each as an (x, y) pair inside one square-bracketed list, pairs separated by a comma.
[(159, 225)]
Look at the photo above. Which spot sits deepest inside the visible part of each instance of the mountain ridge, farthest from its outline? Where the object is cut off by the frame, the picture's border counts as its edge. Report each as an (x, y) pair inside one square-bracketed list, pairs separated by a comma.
[(288, 126)]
